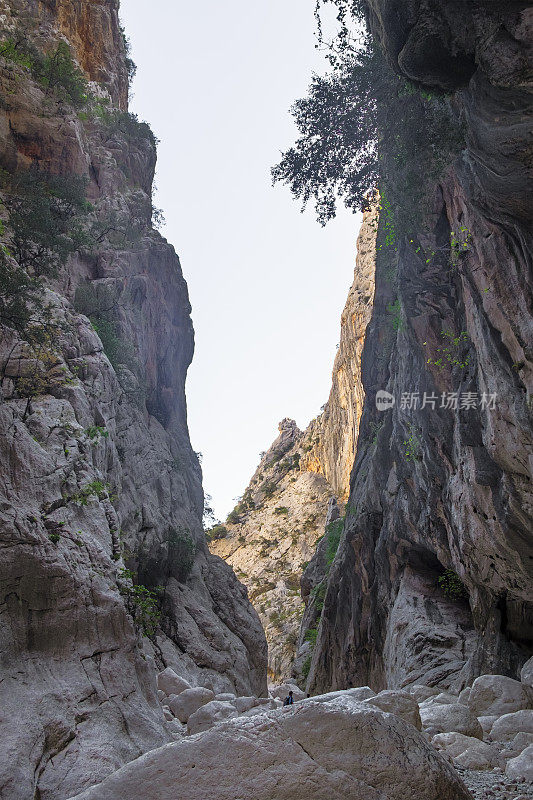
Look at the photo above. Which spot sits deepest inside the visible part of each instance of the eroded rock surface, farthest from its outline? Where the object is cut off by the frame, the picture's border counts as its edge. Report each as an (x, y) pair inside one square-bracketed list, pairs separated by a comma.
[(439, 488), (101, 485), (318, 750)]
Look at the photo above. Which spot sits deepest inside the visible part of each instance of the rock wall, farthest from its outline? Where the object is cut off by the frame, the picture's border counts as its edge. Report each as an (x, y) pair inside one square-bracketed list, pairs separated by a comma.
[(446, 488), (101, 498), (272, 534)]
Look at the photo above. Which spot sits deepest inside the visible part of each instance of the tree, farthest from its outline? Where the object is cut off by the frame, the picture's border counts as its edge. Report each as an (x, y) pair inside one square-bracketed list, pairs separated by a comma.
[(363, 128)]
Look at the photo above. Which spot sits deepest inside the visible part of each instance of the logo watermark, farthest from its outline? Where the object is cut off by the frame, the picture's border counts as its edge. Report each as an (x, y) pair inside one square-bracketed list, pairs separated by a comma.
[(452, 401)]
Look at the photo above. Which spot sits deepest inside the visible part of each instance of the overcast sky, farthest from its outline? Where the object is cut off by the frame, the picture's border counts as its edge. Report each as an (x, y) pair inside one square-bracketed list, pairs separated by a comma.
[(267, 283)]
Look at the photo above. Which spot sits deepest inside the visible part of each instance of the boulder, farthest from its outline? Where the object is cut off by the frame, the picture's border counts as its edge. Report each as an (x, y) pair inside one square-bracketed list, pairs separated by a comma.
[(487, 723), (449, 718), (526, 673), (243, 704), (160, 695), (396, 701), (505, 728), (226, 697), (283, 690), (189, 701), (359, 693), (522, 765), (464, 695), (170, 682), (517, 745), (441, 699), (498, 694), (209, 714), (168, 713), (467, 751), (421, 692), (325, 751)]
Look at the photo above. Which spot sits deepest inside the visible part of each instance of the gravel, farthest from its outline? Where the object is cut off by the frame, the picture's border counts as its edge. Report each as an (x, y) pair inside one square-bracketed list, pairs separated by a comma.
[(495, 785)]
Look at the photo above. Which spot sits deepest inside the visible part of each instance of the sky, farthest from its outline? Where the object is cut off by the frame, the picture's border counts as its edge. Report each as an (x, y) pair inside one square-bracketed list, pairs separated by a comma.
[(267, 283)]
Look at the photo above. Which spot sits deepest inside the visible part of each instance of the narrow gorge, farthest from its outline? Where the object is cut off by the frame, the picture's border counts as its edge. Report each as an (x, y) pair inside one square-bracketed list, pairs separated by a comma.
[(379, 564)]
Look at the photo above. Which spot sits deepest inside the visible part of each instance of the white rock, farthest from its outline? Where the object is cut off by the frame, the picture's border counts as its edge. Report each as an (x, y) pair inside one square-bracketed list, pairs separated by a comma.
[(209, 714), (464, 695), (467, 751), (160, 695), (421, 692), (441, 699), (517, 745), (243, 704), (168, 713), (319, 751), (498, 694), (505, 728), (450, 718), (283, 690), (526, 673), (171, 683), (226, 697), (396, 701), (189, 701), (522, 765), (358, 693), (487, 723)]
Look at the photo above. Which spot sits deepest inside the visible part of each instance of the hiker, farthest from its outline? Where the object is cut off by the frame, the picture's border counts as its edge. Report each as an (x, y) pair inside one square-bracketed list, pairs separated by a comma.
[(289, 700)]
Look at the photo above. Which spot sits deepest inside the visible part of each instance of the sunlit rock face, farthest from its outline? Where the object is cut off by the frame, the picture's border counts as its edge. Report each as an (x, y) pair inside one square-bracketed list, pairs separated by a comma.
[(446, 488), (98, 474), (272, 538)]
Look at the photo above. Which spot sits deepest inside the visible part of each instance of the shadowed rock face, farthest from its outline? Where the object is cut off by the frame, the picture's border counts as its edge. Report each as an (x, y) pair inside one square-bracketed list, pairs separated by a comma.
[(77, 680), (447, 488)]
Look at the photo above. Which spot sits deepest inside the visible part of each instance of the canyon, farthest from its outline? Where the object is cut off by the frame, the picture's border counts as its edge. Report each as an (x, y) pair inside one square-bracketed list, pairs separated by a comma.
[(379, 563)]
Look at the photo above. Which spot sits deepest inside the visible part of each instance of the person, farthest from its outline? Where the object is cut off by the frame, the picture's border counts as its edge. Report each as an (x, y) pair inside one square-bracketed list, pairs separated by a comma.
[(289, 700)]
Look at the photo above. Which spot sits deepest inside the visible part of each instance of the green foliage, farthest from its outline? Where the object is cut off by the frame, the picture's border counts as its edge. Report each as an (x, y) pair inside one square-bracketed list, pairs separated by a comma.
[(333, 533), (130, 64), (55, 71), (460, 243), (142, 603), (94, 432), (45, 214), (395, 310), (269, 489), (318, 595), (43, 227), (58, 73), (54, 537), (452, 585), (182, 550), (98, 302), (311, 636), (216, 532), (412, 445), (280, 510), (97, 488), (452, 353), (375, 428), (362, 128), (306, 667)]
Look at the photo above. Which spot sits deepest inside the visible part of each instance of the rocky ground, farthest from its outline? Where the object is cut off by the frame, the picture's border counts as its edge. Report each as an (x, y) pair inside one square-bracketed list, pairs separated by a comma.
[(495, 785), (348, 743)]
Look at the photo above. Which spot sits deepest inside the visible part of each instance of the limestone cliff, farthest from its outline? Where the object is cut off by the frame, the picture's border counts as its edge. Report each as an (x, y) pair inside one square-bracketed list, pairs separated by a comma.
[(441, 496), (101, 498), (271, 535)]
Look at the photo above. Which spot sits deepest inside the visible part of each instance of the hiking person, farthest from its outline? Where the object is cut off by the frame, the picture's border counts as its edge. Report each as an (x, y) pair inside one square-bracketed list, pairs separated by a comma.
[(289, 700)]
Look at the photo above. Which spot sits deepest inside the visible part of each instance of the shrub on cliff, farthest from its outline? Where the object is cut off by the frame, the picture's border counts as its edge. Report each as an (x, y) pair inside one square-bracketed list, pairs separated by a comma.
[(363, 128), (55, 71), (44, 223)]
